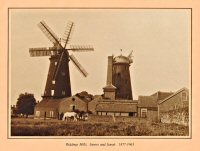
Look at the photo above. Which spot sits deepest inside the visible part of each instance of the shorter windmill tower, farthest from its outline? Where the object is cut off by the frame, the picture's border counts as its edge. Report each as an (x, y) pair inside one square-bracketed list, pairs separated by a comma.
[(58, 83), (118, 78)]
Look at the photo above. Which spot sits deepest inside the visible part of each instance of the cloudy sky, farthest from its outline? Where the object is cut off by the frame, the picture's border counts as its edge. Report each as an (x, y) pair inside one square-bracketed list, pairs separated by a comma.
[(159, 38)]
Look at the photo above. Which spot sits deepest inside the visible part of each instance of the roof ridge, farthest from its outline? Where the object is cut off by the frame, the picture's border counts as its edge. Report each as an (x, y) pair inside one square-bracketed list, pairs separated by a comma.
[(180, 90)]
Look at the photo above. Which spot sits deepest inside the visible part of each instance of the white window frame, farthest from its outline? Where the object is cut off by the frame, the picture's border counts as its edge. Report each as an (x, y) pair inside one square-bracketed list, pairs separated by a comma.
[(37, 113), (185, 99), (143, 110), (52, 92), (51, 113)]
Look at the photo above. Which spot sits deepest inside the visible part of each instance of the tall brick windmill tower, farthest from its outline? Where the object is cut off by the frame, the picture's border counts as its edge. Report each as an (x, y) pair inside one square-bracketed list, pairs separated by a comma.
[(118, 78), (58, 83)]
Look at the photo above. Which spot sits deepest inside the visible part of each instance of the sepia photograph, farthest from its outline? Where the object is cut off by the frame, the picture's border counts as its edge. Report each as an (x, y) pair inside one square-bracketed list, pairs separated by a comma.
[(99, 72)]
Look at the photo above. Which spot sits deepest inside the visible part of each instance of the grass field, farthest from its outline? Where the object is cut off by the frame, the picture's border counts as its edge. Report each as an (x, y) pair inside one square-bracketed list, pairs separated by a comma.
[(97, 127)]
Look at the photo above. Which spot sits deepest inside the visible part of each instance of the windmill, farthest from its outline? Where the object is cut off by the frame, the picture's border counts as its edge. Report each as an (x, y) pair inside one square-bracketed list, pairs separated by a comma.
[(58, 80), (118, 86)]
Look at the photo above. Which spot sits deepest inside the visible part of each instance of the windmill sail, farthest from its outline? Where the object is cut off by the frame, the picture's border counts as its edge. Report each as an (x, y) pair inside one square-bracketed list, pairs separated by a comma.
[(43, 51), (81, 48), (130, 56), (78, 65), (67, 33), (49, 33), (58, 66)]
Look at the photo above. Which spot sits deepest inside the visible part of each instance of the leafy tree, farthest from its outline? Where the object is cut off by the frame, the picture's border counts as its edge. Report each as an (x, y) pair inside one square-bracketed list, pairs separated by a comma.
[(25, 104), (85, 96)]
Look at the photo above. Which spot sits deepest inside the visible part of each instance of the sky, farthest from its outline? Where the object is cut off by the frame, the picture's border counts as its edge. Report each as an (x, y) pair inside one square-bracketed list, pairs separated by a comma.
[(159, 38)]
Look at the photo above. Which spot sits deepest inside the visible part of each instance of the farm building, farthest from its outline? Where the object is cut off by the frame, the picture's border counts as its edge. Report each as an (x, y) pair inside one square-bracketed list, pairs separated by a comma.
[(163, 106), (117, 108), (175, 108), (55, 108), (148, 105), (92, 104), (179, 99)]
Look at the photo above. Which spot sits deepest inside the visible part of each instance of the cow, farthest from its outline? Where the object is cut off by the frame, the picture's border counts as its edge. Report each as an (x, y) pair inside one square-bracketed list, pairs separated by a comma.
[(70, 115)]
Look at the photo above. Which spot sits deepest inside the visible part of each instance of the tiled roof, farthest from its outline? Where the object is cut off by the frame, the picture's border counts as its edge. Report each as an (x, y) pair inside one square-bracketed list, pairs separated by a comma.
[(49, 103), (152, 100), (147, 101), (162, 95), (54, 103), (161, 101), (114, 106)]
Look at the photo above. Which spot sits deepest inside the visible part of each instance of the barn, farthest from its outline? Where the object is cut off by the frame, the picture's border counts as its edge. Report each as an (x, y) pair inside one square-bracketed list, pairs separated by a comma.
[(177, 100), (55, 108), (117, 107), (148, 105), (175, 108)]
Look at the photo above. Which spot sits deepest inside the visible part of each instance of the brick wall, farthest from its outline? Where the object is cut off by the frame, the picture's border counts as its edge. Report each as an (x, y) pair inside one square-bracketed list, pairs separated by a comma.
[(65, 106), (92, 104), (152, 113), (45, 111), (179, 116)]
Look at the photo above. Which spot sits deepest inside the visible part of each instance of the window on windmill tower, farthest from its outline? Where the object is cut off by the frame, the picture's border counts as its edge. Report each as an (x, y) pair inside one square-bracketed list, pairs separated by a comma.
[(53, 81), (118, 75), (63, 92), (52, 92), (55, 63)]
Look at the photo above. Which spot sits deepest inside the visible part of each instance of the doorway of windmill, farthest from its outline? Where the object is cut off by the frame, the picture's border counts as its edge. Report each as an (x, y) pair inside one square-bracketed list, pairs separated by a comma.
[(130, 114)]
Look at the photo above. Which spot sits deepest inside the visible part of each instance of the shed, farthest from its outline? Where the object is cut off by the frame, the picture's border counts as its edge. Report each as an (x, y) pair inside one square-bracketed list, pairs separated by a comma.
[(147, 107), (117, 108), (54, 108)]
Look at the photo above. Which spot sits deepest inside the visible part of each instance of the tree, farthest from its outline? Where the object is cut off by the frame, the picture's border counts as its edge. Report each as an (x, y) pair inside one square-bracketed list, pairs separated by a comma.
[(86, 97), (25, 104)]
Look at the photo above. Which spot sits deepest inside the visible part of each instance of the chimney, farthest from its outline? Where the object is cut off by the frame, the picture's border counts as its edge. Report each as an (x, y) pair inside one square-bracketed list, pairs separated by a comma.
[(109, 89), (109, 71)]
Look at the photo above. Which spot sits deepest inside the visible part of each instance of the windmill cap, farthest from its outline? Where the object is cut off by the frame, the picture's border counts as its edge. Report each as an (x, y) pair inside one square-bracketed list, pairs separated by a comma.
[(122, 59)]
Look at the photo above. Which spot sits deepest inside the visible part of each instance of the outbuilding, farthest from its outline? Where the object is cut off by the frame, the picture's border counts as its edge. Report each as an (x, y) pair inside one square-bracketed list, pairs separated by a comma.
[(175, 108), (55, 108), (117, 108)]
